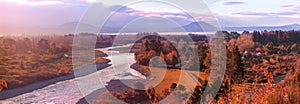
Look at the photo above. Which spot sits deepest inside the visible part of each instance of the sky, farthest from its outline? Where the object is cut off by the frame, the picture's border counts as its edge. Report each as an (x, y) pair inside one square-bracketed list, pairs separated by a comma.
[(225, 13)]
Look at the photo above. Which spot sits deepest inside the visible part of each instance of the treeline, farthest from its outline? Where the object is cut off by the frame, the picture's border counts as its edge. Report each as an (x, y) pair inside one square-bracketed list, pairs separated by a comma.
[(277, 37), (38, 45)]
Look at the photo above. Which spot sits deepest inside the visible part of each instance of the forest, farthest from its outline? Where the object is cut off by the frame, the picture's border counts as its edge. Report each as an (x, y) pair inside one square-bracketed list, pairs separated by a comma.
[(261, 66)]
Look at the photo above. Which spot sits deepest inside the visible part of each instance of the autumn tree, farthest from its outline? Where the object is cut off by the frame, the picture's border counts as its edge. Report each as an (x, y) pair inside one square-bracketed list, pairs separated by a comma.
[(5, 52), (207, 60), (294, 48), (197, 94), (234, 69), (43, 45), (245, 42)]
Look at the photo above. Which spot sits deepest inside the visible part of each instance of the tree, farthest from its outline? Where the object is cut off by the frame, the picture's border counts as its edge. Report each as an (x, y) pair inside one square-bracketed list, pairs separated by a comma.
[(245, 42), (234, 63), (173, 58), (197, 94), (152, 95), (294, 48), (43, 45), (207, 60), (3, 85), (5, 52)]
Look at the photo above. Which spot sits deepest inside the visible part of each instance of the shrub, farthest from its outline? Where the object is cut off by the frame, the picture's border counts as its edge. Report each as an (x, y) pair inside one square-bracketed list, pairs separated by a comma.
[(3, 84)]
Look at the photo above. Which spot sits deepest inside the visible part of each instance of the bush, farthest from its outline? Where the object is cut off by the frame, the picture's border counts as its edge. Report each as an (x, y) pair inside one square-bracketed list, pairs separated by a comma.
[(3, 84)]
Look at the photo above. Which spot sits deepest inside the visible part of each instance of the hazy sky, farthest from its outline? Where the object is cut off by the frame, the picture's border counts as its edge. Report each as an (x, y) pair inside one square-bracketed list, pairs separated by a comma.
[(31, 13)]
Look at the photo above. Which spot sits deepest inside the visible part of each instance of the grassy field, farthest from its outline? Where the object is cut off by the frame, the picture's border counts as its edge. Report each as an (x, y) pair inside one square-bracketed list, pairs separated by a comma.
[(161, 81)]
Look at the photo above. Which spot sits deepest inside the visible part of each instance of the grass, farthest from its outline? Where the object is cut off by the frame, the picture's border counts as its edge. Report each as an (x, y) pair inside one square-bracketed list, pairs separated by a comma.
[(161, 86), (30, 68)]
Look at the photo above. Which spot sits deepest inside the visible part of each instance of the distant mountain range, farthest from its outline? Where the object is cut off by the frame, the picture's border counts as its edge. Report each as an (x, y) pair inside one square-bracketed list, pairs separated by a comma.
[(261, 28), (192, 27), (71, 27)]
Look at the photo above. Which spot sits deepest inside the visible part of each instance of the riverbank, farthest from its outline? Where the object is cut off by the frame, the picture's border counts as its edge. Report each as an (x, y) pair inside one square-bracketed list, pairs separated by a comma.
[(160, 79), (88, 69), (69, 89), (114, 85)]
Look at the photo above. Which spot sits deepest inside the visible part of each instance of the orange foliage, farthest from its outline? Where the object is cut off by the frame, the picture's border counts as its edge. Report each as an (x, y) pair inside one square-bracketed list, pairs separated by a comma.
[(3, 85)]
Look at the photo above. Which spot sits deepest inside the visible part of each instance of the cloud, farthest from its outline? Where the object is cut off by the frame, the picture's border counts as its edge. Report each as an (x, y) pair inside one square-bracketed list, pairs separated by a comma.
[(22, 15), (123, 11), (91, 1), (33, 3), (296, 9), (233, 3), (287, 6), (267, 14), (175, 16), (232, 21), (252, 14), (257, 9), (32, 12), (286, 13)]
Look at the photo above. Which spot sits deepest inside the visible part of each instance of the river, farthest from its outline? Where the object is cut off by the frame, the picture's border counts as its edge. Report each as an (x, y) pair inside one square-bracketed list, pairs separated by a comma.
[(70, 91)]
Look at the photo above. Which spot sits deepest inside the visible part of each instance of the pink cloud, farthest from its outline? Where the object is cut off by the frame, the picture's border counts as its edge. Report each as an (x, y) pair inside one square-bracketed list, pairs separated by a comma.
[(33, 2)]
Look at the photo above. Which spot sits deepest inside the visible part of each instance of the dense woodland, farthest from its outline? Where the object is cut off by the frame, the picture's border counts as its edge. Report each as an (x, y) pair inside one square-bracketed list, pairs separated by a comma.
[(254, 60), (34, 59), (29, 60)]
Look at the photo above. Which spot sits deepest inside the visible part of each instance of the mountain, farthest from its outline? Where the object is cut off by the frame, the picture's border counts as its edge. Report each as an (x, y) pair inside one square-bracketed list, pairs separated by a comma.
[(113, 28), (137, 27), (199, 27), (72, 26), (261, 28)]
